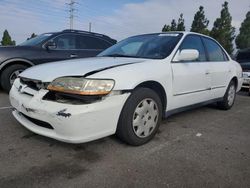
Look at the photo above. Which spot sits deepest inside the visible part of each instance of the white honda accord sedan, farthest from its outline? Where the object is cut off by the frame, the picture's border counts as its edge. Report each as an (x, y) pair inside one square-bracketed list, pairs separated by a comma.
[(127, 89)]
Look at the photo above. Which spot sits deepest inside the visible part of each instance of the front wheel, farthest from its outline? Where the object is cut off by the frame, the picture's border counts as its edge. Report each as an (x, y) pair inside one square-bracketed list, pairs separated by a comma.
[(229, 97), (140, 117), (9, 75)]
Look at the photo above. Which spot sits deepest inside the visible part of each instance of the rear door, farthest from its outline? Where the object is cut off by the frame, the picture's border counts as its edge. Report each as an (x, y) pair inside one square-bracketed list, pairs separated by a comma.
[(219, 66), (191, 79), (89, 46)]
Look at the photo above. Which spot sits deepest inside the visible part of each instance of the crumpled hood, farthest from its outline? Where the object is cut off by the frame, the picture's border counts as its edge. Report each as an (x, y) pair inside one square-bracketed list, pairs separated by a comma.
[(77, 67)]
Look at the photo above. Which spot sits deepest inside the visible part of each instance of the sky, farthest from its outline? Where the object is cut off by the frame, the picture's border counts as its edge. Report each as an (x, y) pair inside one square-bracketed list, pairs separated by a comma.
[(116, 18)]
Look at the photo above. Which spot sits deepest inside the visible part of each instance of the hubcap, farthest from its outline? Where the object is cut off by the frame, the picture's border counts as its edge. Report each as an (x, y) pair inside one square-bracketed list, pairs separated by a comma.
[(145, 118), (14, 75), (231, 95)]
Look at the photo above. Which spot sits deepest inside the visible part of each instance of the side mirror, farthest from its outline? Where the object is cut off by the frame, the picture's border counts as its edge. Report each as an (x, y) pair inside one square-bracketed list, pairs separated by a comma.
[(187, 55), (50, 45)]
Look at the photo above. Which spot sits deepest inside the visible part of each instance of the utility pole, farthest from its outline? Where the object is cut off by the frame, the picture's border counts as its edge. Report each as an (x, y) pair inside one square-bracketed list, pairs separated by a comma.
[(71, 13), (90, 26)]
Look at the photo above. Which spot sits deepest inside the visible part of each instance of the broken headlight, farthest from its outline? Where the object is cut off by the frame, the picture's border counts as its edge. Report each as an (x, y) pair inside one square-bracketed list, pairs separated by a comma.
[(82, 86)]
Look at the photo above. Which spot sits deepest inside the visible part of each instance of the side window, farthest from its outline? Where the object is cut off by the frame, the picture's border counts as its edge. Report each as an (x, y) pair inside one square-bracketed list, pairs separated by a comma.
[(87, 42), (215, 53), (194, 42), (65, 42)]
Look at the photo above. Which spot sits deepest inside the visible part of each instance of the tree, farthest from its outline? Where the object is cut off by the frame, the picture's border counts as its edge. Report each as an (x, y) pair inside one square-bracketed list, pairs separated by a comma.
[(166, 28), (243, 39), (223, 30), (33, 35), (173, 26), (6, 40), (181, 23), (200, 22)]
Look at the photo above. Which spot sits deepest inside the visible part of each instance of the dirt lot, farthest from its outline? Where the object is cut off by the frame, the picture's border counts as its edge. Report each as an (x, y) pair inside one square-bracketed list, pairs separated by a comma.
[(205, 147)]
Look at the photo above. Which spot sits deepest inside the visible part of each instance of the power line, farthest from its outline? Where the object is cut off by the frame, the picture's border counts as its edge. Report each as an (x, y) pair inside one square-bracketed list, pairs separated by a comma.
[(38, 9)]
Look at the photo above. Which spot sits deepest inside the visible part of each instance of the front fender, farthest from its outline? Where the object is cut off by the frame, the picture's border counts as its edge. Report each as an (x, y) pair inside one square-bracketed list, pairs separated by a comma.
[(129, 76)]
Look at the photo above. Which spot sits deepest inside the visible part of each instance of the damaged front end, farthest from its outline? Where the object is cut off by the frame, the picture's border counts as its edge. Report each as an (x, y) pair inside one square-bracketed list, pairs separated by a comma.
[(65, 116)]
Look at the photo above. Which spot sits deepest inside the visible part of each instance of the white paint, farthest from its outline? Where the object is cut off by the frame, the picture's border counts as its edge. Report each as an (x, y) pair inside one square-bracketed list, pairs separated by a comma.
[(187, 55), (75, 67), (92, 121)]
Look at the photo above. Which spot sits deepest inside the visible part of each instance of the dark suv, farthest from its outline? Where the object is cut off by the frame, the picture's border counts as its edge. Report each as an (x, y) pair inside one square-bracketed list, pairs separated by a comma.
[(49, 47), (243, 57)]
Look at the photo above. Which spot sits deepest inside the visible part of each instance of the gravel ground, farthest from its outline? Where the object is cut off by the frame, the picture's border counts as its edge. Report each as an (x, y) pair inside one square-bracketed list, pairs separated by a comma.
[(205, 147)]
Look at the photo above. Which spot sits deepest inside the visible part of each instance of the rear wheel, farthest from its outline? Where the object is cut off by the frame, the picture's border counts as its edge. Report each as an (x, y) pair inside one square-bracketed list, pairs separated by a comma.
[(9, 75), (140, 117), (229, 97)]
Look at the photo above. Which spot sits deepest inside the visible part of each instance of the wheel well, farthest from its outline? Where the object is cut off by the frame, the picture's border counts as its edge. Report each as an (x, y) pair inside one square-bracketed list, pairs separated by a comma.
[(158, 88), (14, 63), (235, 80)]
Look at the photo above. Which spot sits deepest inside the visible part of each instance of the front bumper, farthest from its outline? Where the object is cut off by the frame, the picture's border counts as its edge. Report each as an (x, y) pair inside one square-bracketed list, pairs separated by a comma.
[(246, 80), (70, 123)]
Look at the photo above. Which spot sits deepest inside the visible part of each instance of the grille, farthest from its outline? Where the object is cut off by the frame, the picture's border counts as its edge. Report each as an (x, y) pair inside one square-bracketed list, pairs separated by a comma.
[(33, 84), (38, 122)]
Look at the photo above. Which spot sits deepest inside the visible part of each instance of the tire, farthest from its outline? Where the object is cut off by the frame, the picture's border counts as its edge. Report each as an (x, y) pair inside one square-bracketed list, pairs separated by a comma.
[(140, 117), (229, 97), (9, 74)]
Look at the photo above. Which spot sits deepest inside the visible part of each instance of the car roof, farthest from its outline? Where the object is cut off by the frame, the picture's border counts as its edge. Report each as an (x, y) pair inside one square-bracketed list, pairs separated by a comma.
[(88, 33), (176, 32), (109, 39)]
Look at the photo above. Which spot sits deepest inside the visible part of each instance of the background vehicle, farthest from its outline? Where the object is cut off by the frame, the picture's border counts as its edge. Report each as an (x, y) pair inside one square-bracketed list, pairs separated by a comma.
[(49, 47), (243, 57), (127, 89)]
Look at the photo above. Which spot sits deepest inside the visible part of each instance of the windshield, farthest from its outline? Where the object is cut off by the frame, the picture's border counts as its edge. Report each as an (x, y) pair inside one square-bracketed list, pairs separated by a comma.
[(36, 40), (152, 46)]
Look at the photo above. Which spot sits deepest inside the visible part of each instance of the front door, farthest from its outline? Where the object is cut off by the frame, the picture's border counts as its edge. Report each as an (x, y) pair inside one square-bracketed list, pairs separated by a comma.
[(65, 49), (191, 79)]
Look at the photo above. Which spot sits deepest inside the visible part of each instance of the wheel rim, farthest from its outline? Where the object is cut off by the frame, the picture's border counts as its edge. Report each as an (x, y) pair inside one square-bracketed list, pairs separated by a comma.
[(14, 75), (231, 95), (145, 118)]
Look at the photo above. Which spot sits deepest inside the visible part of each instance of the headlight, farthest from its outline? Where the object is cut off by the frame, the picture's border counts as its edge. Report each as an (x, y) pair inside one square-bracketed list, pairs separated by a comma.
[(81, 86)]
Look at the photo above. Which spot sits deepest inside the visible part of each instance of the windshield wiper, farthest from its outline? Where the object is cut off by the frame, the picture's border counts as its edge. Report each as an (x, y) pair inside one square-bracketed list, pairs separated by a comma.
[(120, 55)]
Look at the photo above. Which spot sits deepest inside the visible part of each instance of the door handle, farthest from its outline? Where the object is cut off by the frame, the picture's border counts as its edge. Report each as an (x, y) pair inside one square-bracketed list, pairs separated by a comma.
[(73, 56)]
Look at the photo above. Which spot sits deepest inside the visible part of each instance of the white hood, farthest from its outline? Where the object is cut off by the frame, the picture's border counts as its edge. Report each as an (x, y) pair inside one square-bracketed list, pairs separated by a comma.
[(76, 67)]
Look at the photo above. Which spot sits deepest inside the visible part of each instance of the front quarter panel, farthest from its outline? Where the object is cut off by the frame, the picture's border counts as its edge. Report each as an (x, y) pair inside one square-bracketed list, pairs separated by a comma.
[(128, 77)]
